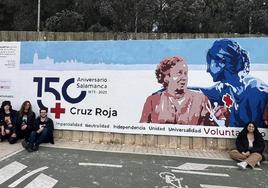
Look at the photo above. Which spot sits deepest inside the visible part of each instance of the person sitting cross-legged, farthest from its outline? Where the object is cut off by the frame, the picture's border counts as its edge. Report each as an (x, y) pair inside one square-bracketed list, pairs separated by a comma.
[(250, 146), (42, 132)]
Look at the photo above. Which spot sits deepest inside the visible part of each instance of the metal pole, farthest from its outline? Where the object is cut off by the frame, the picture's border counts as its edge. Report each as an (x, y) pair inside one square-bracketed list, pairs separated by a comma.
[(250, 16), (250, 23), (38, 16)]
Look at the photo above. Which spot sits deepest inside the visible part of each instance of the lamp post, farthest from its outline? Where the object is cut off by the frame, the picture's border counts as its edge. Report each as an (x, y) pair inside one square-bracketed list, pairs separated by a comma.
[(250, 23), (38, 16), (250, 16)]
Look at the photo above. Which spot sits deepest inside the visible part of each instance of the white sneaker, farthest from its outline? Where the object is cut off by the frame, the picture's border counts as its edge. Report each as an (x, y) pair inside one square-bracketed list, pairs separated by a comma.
[(258, 164), (242, 165)]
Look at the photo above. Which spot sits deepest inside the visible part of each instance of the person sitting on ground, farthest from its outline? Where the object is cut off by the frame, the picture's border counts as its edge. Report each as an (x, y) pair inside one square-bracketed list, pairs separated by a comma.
[(250, 146), (42, 132), (25, 120), (7, 123)]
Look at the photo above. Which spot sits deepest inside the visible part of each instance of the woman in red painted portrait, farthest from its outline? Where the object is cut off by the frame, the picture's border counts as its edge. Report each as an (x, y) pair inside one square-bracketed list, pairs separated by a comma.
[(175, 104)]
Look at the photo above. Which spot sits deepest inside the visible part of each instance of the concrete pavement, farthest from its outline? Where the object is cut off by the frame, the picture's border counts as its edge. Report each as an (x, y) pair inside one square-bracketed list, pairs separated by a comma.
[(83, 164), (54, 167), (7, 149)]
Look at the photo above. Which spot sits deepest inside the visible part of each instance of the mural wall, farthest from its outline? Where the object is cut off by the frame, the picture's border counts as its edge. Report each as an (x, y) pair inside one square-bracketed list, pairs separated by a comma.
[(189, 87)]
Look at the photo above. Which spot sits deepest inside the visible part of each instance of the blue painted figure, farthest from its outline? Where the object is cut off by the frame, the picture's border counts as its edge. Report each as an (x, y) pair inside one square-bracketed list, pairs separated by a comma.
[(244, 97)]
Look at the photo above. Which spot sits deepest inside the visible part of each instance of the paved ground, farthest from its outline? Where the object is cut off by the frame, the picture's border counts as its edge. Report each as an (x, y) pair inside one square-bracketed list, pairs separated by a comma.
[(6, 149), (116, 166)]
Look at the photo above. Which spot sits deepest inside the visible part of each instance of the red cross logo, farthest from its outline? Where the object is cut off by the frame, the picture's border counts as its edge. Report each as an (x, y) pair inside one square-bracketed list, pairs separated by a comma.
[(57, 110), (228, 101)]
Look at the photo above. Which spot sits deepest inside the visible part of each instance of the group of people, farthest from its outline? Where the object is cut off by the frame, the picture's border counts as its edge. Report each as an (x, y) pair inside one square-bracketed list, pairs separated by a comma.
[(237, 99), (24, 124)]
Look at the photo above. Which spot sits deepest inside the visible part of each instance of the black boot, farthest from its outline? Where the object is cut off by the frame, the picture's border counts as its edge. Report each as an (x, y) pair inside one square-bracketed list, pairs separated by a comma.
[(2, 138), (12, 140), (30, 147), (25, 144), (35, 147)]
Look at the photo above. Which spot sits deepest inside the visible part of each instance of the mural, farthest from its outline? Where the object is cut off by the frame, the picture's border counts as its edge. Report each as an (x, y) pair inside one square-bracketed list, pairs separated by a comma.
[(235, 100), (184, 87), (243, 96), (175, 104)]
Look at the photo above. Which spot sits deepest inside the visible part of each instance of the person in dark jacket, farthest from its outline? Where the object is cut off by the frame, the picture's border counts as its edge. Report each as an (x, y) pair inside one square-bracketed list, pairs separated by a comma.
[(8, 123), (42, 132), (249, 147), (25, 120)]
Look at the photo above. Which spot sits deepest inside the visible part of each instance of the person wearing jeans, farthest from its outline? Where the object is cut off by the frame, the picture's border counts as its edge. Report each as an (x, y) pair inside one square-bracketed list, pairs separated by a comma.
[(249, 147), (42, 133)]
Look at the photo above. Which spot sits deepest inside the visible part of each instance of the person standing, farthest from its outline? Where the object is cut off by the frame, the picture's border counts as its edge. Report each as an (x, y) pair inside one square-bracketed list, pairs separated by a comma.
[(42, 132), (249, 147)]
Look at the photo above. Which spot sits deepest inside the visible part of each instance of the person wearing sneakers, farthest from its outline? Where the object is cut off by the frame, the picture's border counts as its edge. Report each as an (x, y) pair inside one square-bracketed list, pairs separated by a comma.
[(42, 132), (250, 146)]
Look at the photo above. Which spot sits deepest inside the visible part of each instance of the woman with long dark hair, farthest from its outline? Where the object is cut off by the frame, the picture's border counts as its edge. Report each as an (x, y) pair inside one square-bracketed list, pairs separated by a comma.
[(25, 120), (249, 147)]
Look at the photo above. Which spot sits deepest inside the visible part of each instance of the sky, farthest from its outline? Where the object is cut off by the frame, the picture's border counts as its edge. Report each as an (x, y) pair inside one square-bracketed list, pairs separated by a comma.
[(129, 52)]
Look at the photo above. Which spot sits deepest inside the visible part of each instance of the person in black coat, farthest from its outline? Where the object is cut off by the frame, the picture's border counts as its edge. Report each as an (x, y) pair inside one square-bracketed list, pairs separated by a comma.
[(25, 120), (249, 147), (8, 123), (42, 132)]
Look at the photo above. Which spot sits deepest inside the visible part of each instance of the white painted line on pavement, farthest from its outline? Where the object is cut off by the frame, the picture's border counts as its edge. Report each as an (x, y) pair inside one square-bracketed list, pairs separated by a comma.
[(198, 166), (10, 170), (216, 186), (42, 181), (18, 181), (9, 155), (200, 173), (257, 169), (100, 164)]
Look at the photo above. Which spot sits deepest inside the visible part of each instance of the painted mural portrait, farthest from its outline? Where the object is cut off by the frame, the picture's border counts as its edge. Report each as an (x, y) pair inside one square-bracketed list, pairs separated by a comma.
[(175, 104), (243, 96)]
